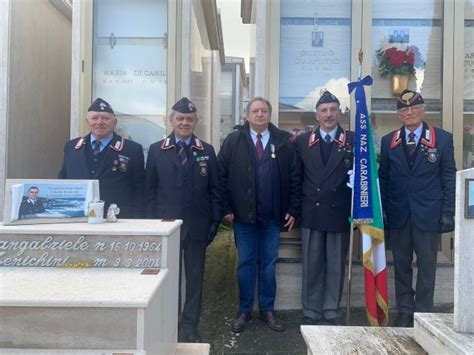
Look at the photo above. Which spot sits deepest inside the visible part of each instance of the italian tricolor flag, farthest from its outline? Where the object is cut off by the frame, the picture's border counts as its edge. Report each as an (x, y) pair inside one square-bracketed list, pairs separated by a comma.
[(367, 210)]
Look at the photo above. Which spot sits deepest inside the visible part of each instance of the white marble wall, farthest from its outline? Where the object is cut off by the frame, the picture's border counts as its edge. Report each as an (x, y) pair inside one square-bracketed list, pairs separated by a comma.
[(463, 260)]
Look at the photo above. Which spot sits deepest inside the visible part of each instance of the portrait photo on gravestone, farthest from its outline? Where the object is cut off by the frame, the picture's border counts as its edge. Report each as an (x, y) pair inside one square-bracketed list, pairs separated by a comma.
[(48, 201)]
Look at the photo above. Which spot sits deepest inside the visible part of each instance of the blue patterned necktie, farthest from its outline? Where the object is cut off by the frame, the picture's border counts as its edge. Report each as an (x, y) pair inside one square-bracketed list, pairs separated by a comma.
[(96, 150), (411, 144), (182, 154)]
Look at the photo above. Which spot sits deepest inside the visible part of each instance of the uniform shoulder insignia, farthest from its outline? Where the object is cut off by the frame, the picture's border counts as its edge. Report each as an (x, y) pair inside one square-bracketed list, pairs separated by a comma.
[(341, 140), (118, 146), (80, 143), (396, 139), (312, 139), (198, 145), (429, 137), (167, 144)]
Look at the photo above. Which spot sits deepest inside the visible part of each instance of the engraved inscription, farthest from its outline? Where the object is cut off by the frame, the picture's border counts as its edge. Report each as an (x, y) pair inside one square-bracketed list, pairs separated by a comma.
[(80, 251)]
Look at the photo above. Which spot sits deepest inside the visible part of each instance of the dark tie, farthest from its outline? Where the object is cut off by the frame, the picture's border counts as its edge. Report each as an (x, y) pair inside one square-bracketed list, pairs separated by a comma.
[(327, 139), (182, 154), (96, 149), (411, 144), (259, 146)]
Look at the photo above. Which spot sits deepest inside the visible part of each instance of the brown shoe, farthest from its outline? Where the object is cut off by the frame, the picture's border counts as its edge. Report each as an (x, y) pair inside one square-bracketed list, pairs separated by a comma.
[(240, 322), (272, 320)]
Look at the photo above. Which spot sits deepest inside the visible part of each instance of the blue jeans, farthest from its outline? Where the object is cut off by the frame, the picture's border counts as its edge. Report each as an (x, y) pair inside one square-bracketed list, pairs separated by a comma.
[(257, 245)]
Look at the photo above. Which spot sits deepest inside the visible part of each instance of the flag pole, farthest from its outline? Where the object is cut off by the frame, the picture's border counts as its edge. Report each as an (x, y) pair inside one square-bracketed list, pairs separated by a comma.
[(351, 234)]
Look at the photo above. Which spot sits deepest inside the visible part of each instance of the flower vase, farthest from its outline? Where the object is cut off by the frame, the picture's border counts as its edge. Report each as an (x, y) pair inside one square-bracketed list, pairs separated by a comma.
[(399, 83)]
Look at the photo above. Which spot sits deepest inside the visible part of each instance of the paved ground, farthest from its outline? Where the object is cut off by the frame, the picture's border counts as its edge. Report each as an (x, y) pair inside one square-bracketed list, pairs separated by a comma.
[(221, 304)]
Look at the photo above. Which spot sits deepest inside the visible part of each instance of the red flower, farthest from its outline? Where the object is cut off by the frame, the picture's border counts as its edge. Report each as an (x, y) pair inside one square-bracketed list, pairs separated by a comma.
[(410, 58), (390, 52), (397, 59)]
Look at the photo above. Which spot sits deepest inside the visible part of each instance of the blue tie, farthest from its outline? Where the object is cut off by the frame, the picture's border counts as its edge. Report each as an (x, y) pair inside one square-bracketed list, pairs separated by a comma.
[(182, 154), (96, 149)]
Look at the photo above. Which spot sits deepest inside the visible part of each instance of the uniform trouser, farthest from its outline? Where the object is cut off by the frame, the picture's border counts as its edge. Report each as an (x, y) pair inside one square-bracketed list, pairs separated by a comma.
[(405, 240), (324, 258), (194, 254)]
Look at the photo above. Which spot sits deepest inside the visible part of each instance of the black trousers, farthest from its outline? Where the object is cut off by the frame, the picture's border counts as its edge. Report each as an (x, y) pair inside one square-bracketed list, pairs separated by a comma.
[(405, 241), (194, 254)]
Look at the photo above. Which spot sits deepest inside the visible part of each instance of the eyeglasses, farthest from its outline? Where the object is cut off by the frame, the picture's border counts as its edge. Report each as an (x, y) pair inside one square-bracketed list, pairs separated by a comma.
[(405, 110)]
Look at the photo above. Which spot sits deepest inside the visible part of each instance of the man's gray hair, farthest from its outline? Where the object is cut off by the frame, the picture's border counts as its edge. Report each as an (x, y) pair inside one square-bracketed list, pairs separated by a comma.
[(261, 99)]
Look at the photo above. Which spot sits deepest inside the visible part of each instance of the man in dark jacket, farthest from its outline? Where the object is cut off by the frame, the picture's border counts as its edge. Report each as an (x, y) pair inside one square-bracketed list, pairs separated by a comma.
[(260, 181), (326, 156), (116, 162), (31, 205), (417, 180), (182, 183)]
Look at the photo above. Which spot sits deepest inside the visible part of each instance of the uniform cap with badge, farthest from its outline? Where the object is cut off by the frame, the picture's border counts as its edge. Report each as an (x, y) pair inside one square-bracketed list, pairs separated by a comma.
[(327, 98), (184, 105), (409, 98), (100, 105)]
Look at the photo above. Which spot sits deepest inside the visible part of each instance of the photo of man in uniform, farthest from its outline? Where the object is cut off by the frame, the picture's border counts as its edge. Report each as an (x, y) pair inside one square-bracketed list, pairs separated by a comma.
[(31, 204), (470, 199)]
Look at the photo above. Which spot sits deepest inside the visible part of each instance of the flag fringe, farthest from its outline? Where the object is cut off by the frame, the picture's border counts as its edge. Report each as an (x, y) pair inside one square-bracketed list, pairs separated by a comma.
[(374, 232)]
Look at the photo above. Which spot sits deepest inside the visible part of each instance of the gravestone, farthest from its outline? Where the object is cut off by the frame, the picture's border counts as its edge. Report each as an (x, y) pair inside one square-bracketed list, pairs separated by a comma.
[(110, 287), (448, 333)]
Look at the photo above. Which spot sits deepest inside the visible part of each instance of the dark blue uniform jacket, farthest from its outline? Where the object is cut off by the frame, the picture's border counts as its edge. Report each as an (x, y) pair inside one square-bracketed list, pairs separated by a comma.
[(189, 192), (121, 172), (427, 190), (326, 199)]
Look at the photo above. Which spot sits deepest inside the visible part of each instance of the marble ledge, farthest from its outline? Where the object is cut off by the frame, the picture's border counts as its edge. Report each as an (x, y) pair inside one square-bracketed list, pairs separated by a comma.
[(121, 227), (435, 333), (55, 287)]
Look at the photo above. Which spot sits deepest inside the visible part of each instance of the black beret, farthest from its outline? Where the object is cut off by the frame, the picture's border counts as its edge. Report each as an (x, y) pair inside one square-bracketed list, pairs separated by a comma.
[(409, 98), (100, 105), (184, 106), (327, 98)]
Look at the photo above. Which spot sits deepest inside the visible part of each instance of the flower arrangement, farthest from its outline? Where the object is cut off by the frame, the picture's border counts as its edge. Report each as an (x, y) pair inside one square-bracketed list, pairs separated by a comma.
[(398, 61)]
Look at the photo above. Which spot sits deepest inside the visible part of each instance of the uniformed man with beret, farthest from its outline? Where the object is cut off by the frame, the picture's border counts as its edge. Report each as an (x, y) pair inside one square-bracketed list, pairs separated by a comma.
[(116, 162), (327, 157), (182, 183), (417, 180)]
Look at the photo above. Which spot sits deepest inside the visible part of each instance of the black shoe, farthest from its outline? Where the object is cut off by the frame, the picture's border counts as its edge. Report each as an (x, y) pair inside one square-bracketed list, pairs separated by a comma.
[(189, 336), (272, 320), (404, 320), (240, 322), (335, 321)]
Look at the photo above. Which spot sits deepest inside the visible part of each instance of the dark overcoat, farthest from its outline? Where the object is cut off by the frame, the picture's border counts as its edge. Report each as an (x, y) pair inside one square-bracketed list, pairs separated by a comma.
[(189, 192), (326, 199), (237, 175), (121, 172)]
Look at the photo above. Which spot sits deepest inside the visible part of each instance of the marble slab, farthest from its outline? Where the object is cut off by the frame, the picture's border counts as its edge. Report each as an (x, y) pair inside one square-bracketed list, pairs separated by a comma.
[(463, 259), (359, 340), (435, 333), (69, 352)]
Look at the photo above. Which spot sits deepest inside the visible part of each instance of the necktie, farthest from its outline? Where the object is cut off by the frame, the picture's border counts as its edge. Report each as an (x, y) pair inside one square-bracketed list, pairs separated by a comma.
[(182, 154), (96, 149), (411, 144), (327, 139), (259, 146)]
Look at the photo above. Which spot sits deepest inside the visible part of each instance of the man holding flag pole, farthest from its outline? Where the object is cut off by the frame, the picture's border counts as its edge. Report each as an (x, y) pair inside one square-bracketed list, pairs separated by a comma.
[(367, 212)]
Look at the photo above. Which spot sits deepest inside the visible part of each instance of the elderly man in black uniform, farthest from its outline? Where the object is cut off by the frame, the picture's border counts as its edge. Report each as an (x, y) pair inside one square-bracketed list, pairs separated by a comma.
[(260, 179), (116, 162), (326, 156), (182, 183), (31, 204), (417, 179)]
